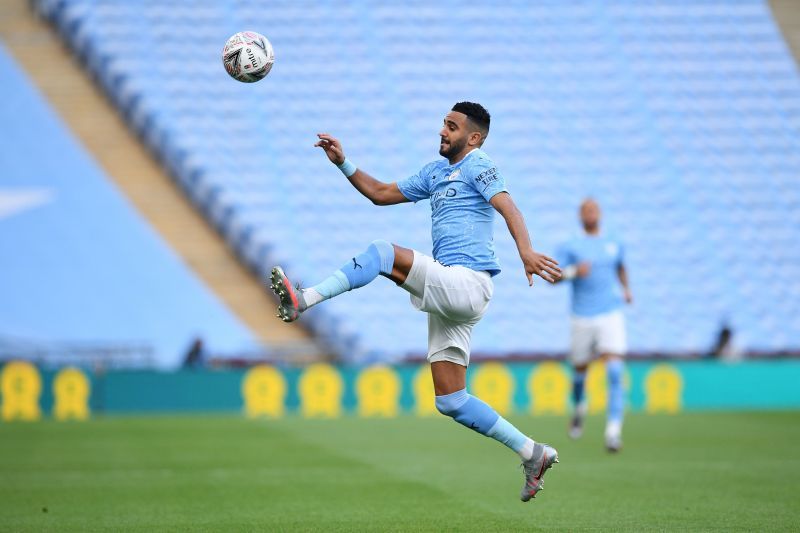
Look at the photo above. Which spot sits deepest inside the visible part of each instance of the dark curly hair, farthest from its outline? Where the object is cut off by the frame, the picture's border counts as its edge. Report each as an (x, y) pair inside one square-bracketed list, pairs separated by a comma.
[(476, 113)]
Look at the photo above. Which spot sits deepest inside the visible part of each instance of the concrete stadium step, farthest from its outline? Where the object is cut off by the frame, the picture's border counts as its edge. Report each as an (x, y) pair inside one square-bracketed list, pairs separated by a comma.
[(95, 123)]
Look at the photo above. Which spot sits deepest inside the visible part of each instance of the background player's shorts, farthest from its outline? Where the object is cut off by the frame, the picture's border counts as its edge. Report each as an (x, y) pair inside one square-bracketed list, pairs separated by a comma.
[(455, 298), (597, 335)]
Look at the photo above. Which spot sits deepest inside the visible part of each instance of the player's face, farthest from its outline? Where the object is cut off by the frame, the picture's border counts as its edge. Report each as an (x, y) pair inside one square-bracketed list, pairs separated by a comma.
[(590, 214), (453, 135)]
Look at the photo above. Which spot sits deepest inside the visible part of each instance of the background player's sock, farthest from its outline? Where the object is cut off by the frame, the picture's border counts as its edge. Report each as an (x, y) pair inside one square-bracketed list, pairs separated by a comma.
[(477, 415), (616, 394), (359, 271), (578, 382)]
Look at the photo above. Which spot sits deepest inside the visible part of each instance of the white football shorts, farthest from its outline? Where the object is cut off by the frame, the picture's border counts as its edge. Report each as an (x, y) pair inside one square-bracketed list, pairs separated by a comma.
[(455, 298), (596, 335)]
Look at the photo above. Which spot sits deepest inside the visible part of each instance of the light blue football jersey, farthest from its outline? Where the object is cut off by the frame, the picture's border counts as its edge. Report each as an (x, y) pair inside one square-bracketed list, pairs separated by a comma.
[(599, 292), (462, 219)]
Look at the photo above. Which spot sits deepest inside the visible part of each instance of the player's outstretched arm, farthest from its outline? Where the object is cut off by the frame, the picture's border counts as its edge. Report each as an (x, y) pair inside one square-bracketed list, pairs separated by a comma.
[(378, 192), (623, 279), (534, 262)]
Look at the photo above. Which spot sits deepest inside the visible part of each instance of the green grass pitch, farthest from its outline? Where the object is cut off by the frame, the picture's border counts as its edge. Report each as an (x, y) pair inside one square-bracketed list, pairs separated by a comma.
[(723, 471)]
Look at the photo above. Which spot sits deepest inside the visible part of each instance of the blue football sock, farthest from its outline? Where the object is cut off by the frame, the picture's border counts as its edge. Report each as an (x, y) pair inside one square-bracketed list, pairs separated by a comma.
[(359, 271), (578, 381), (333, 285), (363, 268), (475, 414), (616, 391)]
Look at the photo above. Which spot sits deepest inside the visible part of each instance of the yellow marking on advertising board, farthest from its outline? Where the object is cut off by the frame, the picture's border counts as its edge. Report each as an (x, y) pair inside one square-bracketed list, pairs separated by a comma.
[(424, 394), (378, 392), (71, 391), (596, 387), (321, 388), (549, 387), (21, 386), (494, 384), (663, 389), (264, 392)]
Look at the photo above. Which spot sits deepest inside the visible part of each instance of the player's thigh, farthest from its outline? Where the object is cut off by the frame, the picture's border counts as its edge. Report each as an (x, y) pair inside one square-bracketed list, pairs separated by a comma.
[(457, 293), (402, 265), (449, 340), (414, 282), (611, 336), (583, 337)]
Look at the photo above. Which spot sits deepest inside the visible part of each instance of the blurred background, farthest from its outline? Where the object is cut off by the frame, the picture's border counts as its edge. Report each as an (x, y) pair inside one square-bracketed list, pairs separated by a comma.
[(145, 196)]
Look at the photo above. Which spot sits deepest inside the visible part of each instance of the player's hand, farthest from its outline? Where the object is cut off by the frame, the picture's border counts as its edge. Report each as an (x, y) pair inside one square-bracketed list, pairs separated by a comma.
[(332, 146), (541, 265), (584, 269), (628, 295)]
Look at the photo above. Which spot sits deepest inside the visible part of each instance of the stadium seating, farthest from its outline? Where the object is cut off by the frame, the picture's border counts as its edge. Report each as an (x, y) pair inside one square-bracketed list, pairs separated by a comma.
[(681, 117), (84, 278)]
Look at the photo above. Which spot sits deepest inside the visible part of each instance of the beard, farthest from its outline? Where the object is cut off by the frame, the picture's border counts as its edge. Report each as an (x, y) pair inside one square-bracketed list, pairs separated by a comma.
[(449, 150)]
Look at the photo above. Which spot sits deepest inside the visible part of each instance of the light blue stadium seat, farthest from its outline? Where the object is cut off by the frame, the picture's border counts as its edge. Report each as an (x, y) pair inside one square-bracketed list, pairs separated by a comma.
[(682, 117)]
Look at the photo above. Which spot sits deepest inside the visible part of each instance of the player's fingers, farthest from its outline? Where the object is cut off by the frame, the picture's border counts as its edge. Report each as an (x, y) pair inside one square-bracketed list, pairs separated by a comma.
[(530, 278), (552, 264), (546, 276), (548, 265), (553, 271), (549, 259)]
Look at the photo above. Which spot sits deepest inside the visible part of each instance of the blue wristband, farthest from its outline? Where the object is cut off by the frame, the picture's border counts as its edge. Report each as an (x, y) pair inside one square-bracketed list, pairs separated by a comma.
[(347, 168)]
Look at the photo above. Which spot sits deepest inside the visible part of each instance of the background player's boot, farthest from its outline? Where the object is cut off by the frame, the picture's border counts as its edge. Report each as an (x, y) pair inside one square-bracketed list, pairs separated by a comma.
[(613, 437), (613, 444), (543, 458), (576, 423), (576, 426), (291, 303)]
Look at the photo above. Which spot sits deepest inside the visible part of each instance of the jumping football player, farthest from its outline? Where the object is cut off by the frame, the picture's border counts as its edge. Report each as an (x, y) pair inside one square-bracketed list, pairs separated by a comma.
[(594, 264), (455, 285)]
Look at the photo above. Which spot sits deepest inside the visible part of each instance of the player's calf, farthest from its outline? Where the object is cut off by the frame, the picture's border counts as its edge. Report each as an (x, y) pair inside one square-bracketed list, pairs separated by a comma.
[(578, 382), (479, 416), (615, 369), (377, 259)]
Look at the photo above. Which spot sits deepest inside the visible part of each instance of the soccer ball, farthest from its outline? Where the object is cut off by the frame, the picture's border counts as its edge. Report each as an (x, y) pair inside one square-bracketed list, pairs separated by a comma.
[(248, 56)]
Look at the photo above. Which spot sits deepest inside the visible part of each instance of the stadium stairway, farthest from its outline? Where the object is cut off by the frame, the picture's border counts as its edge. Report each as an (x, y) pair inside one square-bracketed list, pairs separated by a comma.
[(787, 16), (90, 117), (682, 117)]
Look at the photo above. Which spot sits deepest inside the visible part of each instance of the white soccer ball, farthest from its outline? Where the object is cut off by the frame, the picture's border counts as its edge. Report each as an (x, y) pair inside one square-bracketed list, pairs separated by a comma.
[(248, 56)]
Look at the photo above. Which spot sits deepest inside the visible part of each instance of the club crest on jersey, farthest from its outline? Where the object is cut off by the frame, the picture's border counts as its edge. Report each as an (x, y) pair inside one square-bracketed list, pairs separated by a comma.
[(453, 175)]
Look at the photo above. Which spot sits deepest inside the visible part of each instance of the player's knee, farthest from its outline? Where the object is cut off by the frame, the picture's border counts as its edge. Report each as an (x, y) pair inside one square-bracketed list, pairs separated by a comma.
[(450, 404), (385, 248), (385, 251), (444, 407)]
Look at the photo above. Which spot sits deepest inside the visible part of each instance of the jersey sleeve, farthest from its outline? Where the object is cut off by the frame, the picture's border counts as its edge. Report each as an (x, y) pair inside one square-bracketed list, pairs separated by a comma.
[(417, 186), (485, 177)]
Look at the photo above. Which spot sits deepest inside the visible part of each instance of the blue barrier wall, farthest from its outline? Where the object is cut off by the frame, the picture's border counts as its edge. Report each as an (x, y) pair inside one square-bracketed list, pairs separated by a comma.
[(326, 391), (78, 264)]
